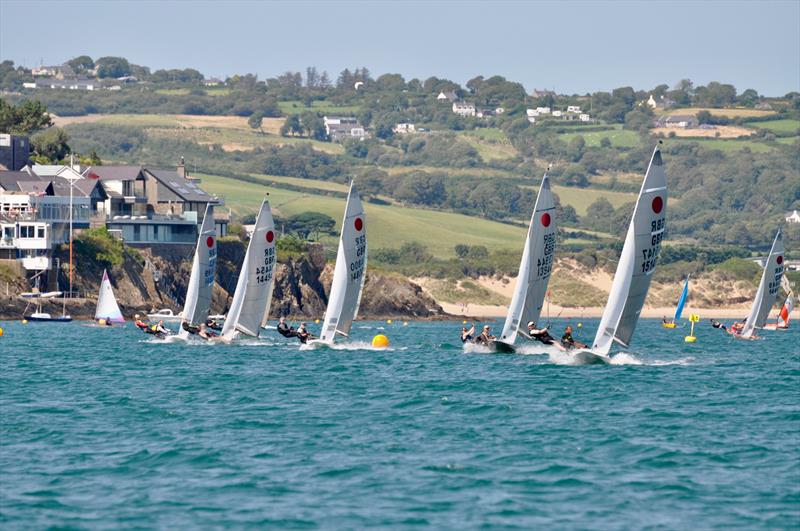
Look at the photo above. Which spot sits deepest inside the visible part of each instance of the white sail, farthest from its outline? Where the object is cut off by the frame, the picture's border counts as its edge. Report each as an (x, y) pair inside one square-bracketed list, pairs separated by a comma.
[(768, 288), (201, 281), (251, 301), (349, 273), (637, 262), (535, 266), (107, 307)]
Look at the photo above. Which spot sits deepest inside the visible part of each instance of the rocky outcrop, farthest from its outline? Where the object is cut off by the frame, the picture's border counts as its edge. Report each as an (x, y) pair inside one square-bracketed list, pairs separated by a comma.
[(149, 279)]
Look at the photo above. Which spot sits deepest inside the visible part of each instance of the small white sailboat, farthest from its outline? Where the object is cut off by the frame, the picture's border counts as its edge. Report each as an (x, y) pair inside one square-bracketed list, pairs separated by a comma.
[(201, 281), (534, 270), (679, 307), (253, 296), (107, 307), (782, 322), (636, 265), (348, 274), (767, 290)]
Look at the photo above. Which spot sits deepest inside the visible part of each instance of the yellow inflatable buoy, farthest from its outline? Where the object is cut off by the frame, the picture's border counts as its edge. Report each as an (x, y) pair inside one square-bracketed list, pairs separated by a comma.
[(24, 321), (405, 323), (1, 332), (388, 321), (690, 339), (101, 322), (380, 341), (316, 321), (580, 325), (464, 322)]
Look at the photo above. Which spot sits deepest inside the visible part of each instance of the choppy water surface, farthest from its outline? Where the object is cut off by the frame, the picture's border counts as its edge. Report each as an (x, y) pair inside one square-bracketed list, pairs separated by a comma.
[(100, 427)]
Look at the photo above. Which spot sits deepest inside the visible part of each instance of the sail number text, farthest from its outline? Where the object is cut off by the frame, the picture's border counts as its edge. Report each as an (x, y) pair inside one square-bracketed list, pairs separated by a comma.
[(357, 265), (775, 284), (264, 273), (650, 255), (545, 263), (208, 273)]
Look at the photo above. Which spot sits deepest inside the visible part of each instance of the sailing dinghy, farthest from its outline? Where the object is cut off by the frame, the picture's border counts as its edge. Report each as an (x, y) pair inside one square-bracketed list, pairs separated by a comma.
[(782, 323), (635, 268), (251, 300), (679, 308), (534, 270), (201, 281), (767, 290), (107, 307), (348, 274)]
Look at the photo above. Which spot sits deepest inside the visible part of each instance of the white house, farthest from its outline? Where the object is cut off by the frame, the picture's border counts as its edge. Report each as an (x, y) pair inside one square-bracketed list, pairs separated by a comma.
[(532, 113), (557, 114), (793, 217), (463, 108), (574, 109), (585, 117), (404, 129), (543, 110)]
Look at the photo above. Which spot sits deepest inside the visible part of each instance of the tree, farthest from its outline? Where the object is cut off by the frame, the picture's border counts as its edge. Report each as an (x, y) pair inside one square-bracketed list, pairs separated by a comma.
[(23, 119), (292, 126), (313, 125), (113, 67), (50, 146), (255, 121), (462, 250), (307, 223), (600, 215), (81, 64)]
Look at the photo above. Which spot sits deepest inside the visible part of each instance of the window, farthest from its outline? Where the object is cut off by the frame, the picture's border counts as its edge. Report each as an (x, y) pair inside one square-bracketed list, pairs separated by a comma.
[(127, 188), (40, 232)]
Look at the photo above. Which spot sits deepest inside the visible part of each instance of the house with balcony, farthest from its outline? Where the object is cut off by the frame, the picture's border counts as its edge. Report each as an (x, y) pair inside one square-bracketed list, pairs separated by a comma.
[(25, 243)]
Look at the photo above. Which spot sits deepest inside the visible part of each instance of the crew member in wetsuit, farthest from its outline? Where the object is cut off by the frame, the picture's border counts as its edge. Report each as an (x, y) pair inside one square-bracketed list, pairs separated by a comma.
[(717, 324), (302, 334), (485, 337), (141, 325), (213, 324), (540, 334), (467, 335), (567, 340), (284, 329)]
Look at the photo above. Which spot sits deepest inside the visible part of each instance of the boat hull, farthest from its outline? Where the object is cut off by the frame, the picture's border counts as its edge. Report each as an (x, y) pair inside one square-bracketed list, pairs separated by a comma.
[(502, 348), (37, 319), (585, 357), (669, 325)]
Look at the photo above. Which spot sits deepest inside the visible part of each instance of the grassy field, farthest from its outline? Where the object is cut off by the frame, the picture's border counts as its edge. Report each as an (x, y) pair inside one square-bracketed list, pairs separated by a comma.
[(491, 143), (581, 198), (778, 126), (389, 226), (324, 107), (619, 137), (740, 112), (728, 145)]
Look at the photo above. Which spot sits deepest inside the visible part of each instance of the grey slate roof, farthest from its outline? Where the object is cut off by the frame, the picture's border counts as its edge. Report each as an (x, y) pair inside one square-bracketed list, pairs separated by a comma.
[(115, 173), (184, 189), (9, 180)]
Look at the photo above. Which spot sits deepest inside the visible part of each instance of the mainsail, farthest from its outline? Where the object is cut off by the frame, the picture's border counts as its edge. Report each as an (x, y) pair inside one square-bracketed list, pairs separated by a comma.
[(107, 307), (251, 301), (201, 281), (767, 289), (682, 301), (349, 273), (637, 262), (534, 269)]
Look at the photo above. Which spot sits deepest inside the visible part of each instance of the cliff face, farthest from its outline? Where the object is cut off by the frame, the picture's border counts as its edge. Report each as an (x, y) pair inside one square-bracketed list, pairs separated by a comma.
[(147, 281)]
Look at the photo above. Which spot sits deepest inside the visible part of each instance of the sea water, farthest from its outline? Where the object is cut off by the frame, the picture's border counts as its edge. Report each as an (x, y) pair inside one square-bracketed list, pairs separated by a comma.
[(108, 427)]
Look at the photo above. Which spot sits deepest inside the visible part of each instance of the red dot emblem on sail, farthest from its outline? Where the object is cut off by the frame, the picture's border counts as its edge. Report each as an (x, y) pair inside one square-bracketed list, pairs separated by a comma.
[(358, 224), (210, 242), (779, 260), (270, 236), (658, 204), (546, 219)]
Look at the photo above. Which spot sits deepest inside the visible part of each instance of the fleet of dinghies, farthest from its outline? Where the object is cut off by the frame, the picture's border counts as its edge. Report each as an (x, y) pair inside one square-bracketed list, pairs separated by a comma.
[(249, 309)]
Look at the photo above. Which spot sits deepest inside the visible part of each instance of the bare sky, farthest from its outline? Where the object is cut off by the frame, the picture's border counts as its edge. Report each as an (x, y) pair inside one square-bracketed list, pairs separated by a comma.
[(572, 46)]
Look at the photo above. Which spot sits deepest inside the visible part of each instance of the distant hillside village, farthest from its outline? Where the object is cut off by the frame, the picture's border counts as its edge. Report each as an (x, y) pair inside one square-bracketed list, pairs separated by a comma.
[(141, 205)]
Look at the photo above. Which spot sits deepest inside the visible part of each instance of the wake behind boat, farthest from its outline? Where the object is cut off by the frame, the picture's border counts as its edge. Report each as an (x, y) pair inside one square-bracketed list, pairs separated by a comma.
[(348, 275)]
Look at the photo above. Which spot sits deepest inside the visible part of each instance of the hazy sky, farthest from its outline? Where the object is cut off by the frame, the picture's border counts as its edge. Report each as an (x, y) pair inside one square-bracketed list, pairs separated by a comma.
[(570, 46)]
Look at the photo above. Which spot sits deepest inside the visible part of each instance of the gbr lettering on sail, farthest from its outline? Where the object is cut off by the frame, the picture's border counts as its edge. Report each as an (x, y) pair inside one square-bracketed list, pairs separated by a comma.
[(650, 253)]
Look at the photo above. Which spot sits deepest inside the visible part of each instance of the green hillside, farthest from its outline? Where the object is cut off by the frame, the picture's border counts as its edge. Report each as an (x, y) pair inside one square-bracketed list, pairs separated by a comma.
[(389, 226)]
